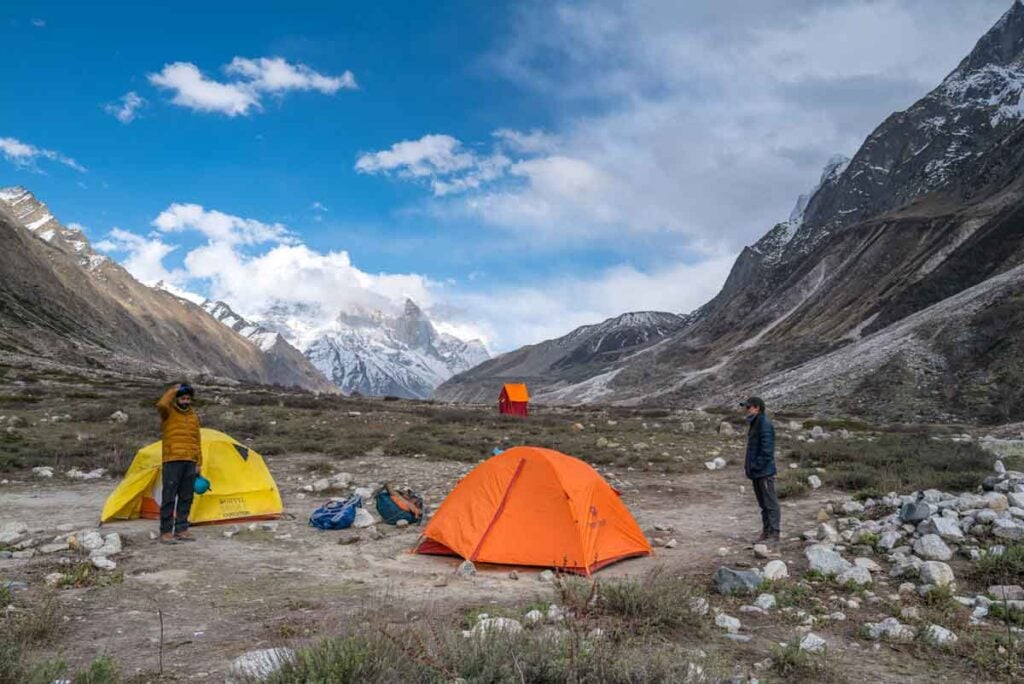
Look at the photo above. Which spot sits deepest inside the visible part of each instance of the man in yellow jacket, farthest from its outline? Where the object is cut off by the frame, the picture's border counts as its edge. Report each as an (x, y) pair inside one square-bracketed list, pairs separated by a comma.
[(182, 459)]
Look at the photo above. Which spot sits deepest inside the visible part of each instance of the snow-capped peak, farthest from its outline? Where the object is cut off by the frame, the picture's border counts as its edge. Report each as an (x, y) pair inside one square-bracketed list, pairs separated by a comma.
[(35, 217)]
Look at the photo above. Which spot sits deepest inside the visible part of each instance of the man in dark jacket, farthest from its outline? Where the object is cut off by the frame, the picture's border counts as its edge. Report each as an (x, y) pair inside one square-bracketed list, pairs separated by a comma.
[(760, 467)]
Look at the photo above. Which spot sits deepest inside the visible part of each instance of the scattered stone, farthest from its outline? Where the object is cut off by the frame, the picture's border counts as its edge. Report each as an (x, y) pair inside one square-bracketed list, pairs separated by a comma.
[(722, 551), (546, 576), (12, 532), (890, 628), (23, 555), (53, 579), (776, 570), (578, 427), (827, 533), (931, 547), (43, 471), (321, 485), (466, 569), (1015, 499), (513, 575), (727, 622), (555, 614), (725, 429), (534, 617), (259, 665), (907, 588), (687, 426), (348, 540), (996, 501), (671, 544), (856, 575), (1008, 529), (730, 581), (363, 518), (939, 636), (1007, 592), (812, 643), (826, 561), (945, 527), (489, 626), (937, 573), (999, 467), (103, 563), (440, 581), (54, 548), (118, 416), (852, 507), (914, 512), (231, 531), (867, 564), (699, 606), (817, 432), (765, 601), (402, 522), (814, 481), (76, 474)]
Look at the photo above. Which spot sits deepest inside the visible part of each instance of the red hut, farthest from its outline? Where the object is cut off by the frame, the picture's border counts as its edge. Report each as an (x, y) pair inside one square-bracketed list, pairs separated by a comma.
[(514, 400)]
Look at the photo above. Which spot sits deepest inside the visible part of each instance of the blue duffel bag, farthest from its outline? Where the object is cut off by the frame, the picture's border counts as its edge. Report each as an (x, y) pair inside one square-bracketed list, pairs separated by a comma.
[(336, 515)]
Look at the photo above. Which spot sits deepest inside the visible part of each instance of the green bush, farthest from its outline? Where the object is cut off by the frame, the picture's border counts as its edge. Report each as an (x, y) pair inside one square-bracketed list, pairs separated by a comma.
[(1007, 568), (897, 463)]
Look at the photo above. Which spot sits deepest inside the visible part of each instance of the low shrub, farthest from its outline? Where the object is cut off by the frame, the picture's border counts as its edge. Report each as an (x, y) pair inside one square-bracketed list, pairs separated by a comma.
[(1007, 568)]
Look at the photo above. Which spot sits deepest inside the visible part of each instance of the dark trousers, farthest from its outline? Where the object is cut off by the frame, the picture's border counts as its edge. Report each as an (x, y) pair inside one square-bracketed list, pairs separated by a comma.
[(179, 479), (771, 517)]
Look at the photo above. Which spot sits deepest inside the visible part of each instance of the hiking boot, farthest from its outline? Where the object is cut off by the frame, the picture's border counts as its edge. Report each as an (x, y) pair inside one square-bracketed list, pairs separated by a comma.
[(185, 536), (772, 539), (168, 538), (764, 537)]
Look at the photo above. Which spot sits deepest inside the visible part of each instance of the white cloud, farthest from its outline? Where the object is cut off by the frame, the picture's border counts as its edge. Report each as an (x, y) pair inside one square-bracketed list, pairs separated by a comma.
[(126, 108), (194, 90), (318, 206), (254, 77), (25, 155), (39, 23), (143, 256), (220, 227), (275, 75)]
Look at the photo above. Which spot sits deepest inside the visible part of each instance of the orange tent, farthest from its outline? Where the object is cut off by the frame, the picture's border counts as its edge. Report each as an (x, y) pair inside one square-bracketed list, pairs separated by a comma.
[(533, 506), (514, 399)]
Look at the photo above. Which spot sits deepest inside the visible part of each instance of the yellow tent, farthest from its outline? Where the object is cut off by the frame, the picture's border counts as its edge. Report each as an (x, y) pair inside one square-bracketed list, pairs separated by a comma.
[(241, 486)]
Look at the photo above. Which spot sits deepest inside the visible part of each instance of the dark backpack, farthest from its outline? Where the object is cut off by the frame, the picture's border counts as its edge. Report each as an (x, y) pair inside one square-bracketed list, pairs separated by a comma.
[(399, 504)]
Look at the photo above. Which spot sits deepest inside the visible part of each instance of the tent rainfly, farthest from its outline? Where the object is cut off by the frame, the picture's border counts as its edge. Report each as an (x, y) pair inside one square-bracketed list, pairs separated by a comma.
[(514, 400), (534, 506)]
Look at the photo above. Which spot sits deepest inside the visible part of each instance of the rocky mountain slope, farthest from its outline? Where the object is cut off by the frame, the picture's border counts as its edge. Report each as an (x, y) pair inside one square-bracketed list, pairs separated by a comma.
[(60, 302), (893, 290), (376, 354)]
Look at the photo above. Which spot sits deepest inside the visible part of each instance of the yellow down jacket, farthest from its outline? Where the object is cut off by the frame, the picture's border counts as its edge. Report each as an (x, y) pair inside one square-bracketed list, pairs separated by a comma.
[(181, 440)]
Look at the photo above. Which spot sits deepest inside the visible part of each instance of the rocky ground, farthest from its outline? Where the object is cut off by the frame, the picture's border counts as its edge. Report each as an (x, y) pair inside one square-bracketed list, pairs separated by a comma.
[(904, 586)]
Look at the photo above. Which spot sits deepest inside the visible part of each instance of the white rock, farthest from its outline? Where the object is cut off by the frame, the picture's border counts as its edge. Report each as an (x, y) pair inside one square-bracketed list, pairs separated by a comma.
[(889, 539), (856, 575), (765, 601), (53, 579), (1005, 528), (931, 547), (937, 573), (827, 533), (999, 468), (671, 544), (939, 636), (13, 532), (812, 643), (259, 665), (776, 570), (1015, 499), (466, 569), (945, 527), (363, 518), (497, 625), (54, 548), (103, 563), (364, 493), (119, 416), (727, 622), (546, 576), (868, 564), (890, 628), (555, 614), (91, 540), (534, 617), (826, 561), (852, 507), (814, 481), (321, 485), (43, 471), (995, 501), (817, 432)]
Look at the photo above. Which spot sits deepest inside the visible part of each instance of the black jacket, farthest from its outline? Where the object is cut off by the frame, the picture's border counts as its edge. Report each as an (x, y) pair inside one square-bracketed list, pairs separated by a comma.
[(760, 460)]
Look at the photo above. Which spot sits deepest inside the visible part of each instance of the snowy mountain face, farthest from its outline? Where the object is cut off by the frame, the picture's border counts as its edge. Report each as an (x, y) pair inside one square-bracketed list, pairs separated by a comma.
[(361, 350), (36, 217)]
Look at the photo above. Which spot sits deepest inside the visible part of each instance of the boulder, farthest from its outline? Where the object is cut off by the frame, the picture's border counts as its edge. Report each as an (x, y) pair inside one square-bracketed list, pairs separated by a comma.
[(945, 527), (1008, 529), (995, 501), (118, 416), (546, 576), (937, 573), (889, 539), (986, 516), (827, 533), (534, 617), (103, 563), (826, 561), (814, 481), (939, 636), (914, 513), (817, 432), (54, 548), (868, 564), (259, 665), (852, 507), (726, 429), (730, 581), (1007, 592), (931, 547), (856, 575), (1015, 499), (813, 643), (776, 570), (363, 518), (466, 569), (765, 601), (13, 532), (488, 626)]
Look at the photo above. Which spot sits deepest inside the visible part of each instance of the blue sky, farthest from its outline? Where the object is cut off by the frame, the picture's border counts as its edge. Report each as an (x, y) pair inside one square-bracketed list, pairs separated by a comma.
[(518, 168)]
